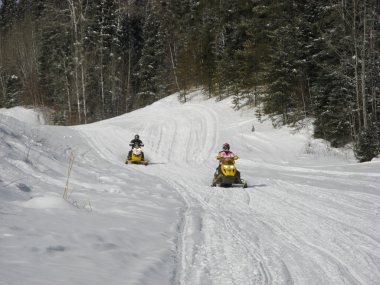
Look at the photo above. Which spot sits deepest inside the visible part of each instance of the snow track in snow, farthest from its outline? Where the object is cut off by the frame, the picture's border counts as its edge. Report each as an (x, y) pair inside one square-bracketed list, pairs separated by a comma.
[(277, 231), (215, 250)]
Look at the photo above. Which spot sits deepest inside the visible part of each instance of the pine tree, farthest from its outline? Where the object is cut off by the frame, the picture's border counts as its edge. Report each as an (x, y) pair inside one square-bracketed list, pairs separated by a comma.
[(286, 64), (253, 54), (25, 39), (13, 91), (237, 59), (368, 144), (8, 12), (9, 79), (187, 46), (56, 57), (153, 58), (131, 41), (104, 53), (333, 89)]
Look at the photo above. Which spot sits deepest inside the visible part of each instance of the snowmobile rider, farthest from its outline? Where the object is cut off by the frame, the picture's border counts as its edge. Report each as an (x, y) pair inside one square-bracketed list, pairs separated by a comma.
[(224, 154), (136, 142)]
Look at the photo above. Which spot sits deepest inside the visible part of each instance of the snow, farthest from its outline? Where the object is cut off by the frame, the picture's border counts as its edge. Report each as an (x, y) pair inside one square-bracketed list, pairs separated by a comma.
[(25, 115), (309, 216)]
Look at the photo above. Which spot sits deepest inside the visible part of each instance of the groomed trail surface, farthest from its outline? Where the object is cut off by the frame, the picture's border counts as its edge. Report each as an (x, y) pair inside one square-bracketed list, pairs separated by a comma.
[(309, 215), (293, 225)]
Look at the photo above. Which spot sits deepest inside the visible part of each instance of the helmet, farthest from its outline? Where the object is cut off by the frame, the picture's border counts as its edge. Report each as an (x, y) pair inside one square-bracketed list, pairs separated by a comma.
[(137, 137), (226, 146)]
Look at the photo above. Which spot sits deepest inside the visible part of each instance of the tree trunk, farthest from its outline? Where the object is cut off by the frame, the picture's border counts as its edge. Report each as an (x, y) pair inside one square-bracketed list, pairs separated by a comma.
[(363, 71), (101, 65), (74, 20), (175, 71), (82, 56), (358, 101), (67, 85), (303, 99), (129, 77)]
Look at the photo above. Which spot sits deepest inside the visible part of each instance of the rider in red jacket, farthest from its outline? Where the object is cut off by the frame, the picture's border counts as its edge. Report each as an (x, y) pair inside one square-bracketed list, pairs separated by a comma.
[(223, 154)]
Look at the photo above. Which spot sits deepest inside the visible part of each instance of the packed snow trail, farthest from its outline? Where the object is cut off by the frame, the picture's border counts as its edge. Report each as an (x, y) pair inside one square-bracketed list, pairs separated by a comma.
[(309, 215), (294, 225), (127, 235)]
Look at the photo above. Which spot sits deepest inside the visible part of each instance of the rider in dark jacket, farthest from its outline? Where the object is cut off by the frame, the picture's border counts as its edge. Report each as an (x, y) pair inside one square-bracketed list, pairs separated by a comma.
[(136, 142)]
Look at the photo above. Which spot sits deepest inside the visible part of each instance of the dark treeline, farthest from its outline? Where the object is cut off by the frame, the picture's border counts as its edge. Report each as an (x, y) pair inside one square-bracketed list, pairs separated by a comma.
[(90, 60)]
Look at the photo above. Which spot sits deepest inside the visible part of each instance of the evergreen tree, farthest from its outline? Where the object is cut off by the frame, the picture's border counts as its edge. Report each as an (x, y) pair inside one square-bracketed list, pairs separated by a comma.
[(368, 144), (28, 37), (98, 59), (332, 105), (56, 56), (187, 45), (8, 12), (253, 55), (131, 40), (13, 91), (234, 60), (31, 9), (284, 65), (333, 89), (154, 55), (104, 52), (9, 80), (209, 48)]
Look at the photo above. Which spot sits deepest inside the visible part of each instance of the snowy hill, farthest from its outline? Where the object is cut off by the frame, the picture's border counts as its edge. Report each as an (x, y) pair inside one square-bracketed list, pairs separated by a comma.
[(309, 215)]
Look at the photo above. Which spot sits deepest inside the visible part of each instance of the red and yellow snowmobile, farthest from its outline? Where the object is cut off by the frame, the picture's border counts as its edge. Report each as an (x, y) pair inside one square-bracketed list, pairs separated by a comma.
[(136, 156), (227, 174)]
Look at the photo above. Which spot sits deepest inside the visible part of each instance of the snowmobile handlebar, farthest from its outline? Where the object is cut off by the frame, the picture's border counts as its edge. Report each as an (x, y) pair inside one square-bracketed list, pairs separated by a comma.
[(219, 157), (136, 145)]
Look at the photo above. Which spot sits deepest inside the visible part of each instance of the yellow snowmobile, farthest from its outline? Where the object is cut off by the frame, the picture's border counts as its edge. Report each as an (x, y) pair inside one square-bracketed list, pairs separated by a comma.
[(227, 174), (136, 156)]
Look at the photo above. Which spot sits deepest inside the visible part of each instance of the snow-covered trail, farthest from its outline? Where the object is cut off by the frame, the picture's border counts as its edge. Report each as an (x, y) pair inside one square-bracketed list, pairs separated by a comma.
[(126, 236), (297, 223), (309, 216)]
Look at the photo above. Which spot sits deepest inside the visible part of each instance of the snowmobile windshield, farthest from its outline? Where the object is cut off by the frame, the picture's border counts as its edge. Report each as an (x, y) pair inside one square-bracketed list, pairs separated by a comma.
[(228, 161)]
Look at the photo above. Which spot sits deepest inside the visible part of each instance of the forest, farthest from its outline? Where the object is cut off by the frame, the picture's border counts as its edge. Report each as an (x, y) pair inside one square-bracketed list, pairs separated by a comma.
[(89, 60)]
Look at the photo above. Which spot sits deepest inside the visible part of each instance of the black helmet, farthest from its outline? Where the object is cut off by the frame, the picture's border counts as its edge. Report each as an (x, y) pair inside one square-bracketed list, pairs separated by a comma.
[(137, 137), (226, 146)]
